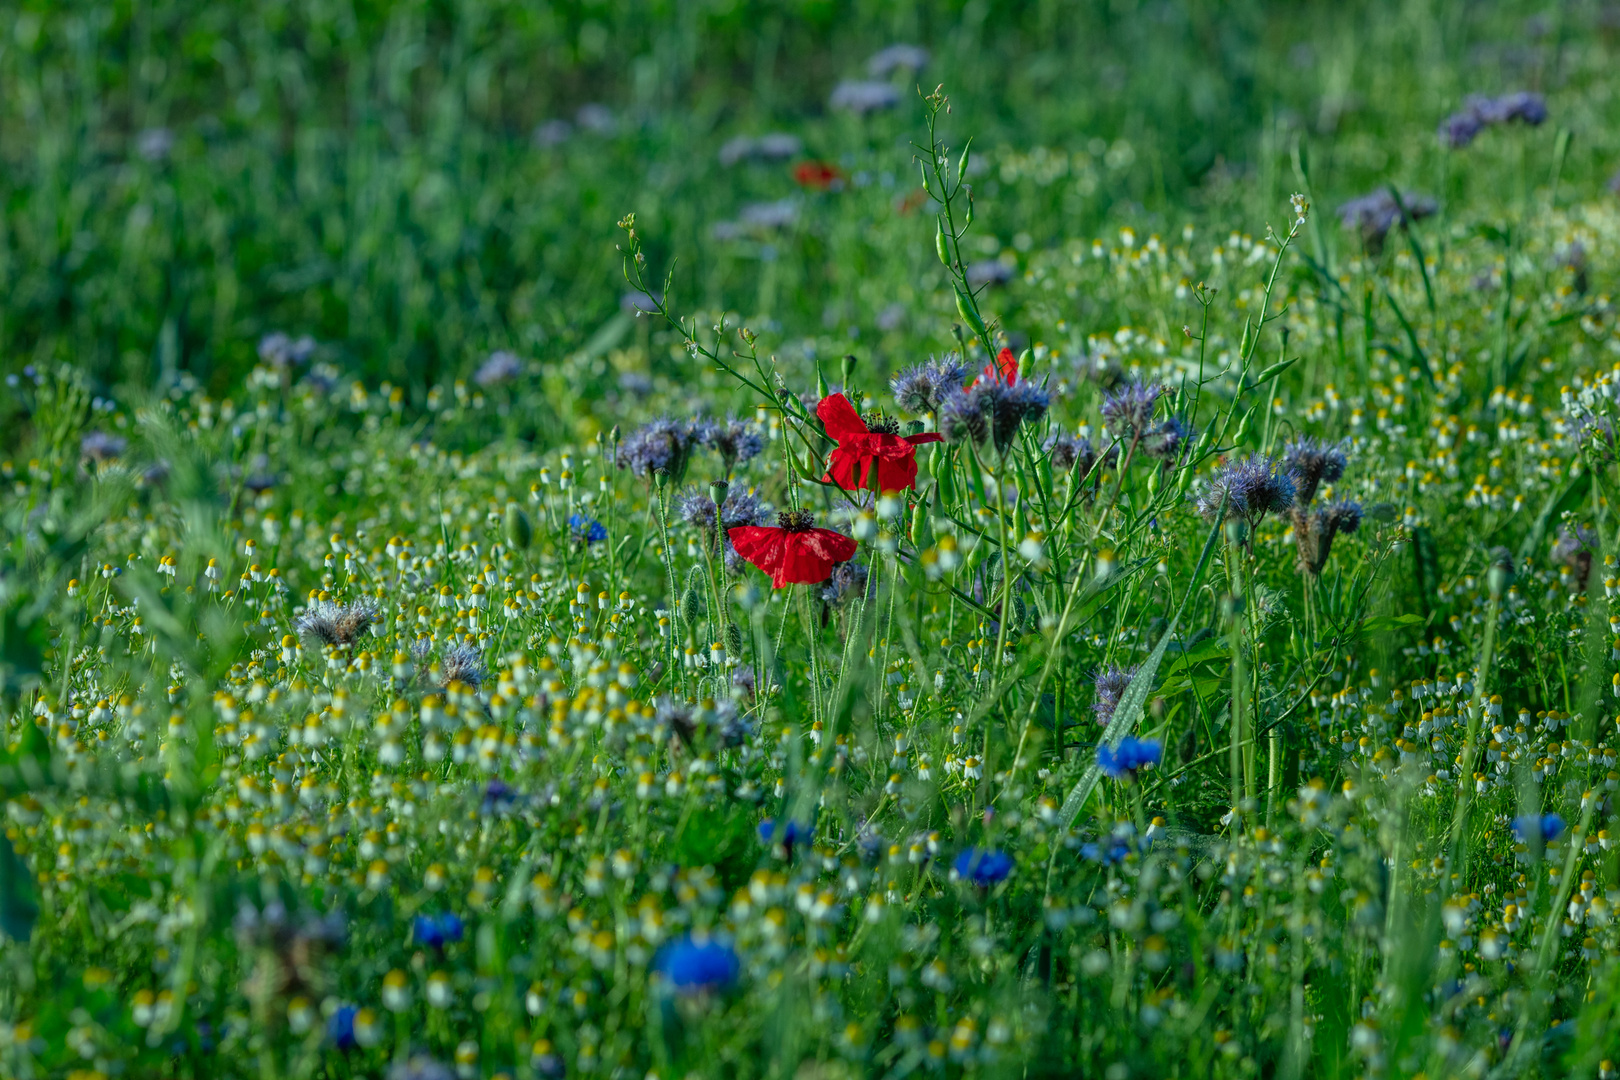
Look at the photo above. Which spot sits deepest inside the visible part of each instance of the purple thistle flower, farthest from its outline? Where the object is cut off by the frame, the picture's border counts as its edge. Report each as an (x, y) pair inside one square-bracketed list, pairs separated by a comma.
[(1110, 683), (337, 624), (924, 387), (696, 508), (1311, 463), (1461, 127), (964, 416), (1128, 410), (1251, 487)]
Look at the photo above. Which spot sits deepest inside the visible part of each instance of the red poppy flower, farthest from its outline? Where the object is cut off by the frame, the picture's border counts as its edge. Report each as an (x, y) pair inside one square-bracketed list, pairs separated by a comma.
[(794, 552), (818, 175), (864, 451), (1008, 365)]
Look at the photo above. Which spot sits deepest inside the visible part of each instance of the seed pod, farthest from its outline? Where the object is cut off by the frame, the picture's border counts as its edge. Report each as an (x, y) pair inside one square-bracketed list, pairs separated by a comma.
[(519, 533), (734, 640), (692, 604), (939, 244)]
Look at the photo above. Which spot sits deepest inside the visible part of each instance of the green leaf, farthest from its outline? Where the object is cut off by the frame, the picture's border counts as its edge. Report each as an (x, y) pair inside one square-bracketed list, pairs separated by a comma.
[(18, 909), (1384, 624)]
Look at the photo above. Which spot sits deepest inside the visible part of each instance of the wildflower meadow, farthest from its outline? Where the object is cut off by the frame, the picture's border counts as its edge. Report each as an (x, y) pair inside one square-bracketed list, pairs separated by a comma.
[(809, 540)]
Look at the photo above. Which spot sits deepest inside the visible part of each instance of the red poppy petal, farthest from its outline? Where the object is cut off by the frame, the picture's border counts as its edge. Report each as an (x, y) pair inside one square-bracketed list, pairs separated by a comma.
[(1008, 364), (833, 547), (925, 437), (760, 545), (843, 469), (897, 475), (839, 417), (801, 563)]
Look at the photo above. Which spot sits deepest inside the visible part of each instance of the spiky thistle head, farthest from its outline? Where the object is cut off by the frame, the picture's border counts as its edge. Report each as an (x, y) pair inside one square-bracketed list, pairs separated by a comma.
[(463, 664), (337, 624)]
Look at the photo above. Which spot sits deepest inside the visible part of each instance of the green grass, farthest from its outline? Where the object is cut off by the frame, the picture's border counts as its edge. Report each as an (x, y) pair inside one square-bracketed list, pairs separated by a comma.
[(568, 715)]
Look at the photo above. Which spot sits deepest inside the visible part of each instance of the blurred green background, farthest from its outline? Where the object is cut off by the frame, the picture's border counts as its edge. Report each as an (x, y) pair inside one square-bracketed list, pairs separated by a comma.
[(417, 184)]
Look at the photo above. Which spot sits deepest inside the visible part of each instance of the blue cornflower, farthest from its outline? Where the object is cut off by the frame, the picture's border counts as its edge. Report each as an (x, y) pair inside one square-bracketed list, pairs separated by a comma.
[(587, 529), (694, 964), (1123, 761), (983, 866), (787, 836), (1550, 825), (340, 1028), (498, 795), (437, 931), (1116, 851)]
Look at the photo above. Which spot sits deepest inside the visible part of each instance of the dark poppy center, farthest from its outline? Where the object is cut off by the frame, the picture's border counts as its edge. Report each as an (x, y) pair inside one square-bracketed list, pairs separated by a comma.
[(796, 520), (878, 424)]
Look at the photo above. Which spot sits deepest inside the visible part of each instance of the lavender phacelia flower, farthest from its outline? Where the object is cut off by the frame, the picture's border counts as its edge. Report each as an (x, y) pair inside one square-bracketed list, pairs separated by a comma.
[(279, 350), (659, 446), (1110, 683), (1250, 487), (734, 440), (1374, 214), (101, 447), (1128, 410), (924, 387), (992, 409), (696, 508), (1478, 112), (849, 581), (1314, 532), (1575, 549), (1168, 440), (1310, 463), (501, 367)]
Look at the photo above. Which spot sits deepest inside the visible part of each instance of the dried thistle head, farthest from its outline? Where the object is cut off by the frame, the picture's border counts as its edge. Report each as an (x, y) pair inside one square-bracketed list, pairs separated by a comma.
[(462, 664), (337, 624)]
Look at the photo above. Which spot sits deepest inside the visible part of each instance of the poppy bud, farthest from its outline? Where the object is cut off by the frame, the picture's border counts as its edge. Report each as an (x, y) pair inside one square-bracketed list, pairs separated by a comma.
[(519, 533)]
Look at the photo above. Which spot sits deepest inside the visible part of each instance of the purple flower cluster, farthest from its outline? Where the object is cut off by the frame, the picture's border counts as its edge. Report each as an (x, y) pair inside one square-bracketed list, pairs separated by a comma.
[(1478, 113), (992, 410), (1311, 463), (279, 350), (924, 387), (734, 440), (1374, 214), (1130, 756), (696, 508), (1128, 411), (501, 367), (1110, 683), (663, 445), (1250, 488)]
